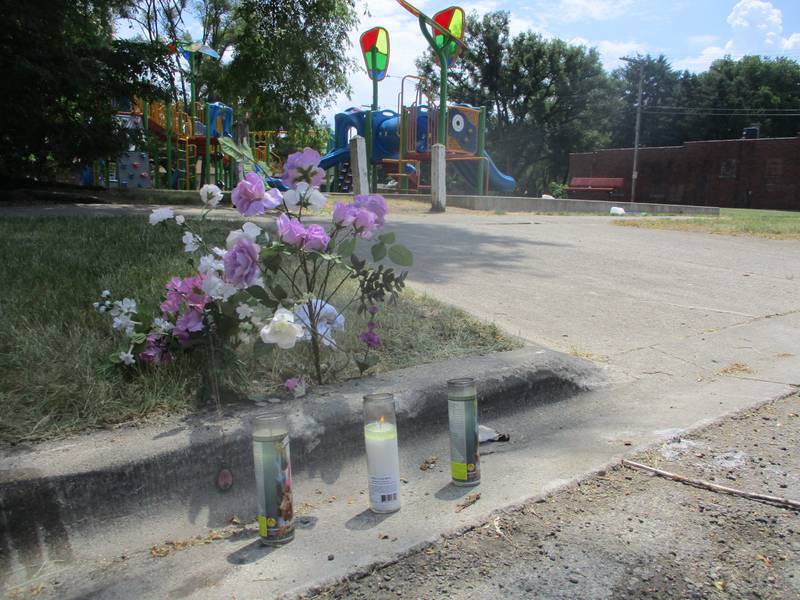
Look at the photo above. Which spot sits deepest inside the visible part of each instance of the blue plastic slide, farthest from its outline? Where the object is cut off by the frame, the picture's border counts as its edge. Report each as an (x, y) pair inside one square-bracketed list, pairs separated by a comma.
[(386, 144), (498, 180)]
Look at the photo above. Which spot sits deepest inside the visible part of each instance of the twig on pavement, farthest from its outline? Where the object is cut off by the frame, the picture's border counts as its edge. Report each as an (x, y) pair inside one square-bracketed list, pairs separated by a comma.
[(784, 502)]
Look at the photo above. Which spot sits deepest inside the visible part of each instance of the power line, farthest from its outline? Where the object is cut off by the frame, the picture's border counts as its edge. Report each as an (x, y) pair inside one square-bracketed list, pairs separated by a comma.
[(720, 114), (722, 109)]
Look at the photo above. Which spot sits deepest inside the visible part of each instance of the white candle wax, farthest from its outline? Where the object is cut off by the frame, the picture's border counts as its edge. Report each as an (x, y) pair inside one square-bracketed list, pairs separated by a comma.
[(383, 466)]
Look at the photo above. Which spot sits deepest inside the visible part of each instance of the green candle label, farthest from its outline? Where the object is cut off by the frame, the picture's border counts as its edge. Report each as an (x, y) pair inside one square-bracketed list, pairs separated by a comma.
[(464, 455)]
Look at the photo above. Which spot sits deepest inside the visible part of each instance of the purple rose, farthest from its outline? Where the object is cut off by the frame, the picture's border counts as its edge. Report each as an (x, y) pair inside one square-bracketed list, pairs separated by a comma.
[(375, 204), (365, 223), (303, 166), (188, 322), (316, 238), (241, 263), (248, 195), (344, 214), (290, 230)]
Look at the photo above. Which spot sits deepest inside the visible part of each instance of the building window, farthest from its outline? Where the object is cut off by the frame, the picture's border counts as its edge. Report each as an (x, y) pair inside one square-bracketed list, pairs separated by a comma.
[(727, 168)]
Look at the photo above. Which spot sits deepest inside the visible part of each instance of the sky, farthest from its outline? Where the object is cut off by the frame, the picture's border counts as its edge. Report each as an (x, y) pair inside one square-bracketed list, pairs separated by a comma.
[(690, 33)]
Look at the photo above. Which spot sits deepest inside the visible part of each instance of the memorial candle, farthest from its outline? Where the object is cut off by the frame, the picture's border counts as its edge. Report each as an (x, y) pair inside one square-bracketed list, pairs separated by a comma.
[(383, 462)]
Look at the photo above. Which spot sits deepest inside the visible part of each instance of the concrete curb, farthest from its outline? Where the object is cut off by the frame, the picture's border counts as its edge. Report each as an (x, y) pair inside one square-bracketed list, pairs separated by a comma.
[(91, 481)]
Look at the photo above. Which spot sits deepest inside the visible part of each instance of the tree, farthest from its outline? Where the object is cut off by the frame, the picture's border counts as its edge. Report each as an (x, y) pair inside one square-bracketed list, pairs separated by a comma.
[(544, 98), (63, 82), (289, 59), (282, 61)]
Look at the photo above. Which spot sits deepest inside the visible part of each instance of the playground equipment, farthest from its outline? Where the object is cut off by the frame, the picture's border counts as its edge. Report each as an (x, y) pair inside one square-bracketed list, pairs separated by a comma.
[(182, 141), (401, 141)]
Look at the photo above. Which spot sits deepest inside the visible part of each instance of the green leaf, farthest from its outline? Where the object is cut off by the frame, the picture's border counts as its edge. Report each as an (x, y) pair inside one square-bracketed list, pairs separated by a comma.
[(138, 338), (400, 255), (278, 292), (387, 238), (261, 295), (366, 363), (379, 251), (347, 247)]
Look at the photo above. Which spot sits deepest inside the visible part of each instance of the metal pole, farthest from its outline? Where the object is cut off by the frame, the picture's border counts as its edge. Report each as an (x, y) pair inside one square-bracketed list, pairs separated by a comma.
[(208, 143), (168, 109), (373, 179), (481, 147), (635, 174), (193, 110)]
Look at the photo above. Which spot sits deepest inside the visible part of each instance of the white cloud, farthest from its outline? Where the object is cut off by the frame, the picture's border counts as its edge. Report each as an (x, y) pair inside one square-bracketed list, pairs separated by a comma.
[(701, 61), (756, 28), (610, 50)]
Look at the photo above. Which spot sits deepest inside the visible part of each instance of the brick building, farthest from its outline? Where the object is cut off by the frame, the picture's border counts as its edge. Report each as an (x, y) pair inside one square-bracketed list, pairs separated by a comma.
[(744, 173)]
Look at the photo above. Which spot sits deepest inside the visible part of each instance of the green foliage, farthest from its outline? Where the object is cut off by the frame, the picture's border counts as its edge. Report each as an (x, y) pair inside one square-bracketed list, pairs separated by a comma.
[(62, 76), (290, 58), (544, 98), (558, 189)]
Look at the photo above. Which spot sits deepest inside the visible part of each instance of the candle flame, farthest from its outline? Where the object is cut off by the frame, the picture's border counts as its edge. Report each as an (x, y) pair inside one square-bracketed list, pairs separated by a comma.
[(381, 420)]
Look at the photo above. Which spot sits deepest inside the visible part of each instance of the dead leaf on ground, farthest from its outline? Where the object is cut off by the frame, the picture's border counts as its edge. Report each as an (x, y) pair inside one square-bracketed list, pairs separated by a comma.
[(736, 368), (428, 463), (168, 547), (468, 501), (764, 559), (720, 585)]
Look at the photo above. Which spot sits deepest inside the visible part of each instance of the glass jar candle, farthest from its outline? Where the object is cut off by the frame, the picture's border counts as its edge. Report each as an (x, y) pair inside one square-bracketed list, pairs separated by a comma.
[(273, 467), (462, 410), (383, 461)]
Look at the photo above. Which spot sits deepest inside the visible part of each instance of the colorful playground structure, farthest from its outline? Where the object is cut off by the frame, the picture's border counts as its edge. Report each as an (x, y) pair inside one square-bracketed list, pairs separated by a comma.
[(185, 145), (400, 141)]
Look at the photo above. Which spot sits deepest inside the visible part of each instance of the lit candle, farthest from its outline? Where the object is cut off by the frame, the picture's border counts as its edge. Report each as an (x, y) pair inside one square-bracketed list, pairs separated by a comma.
[(273, 467), (383, 462)]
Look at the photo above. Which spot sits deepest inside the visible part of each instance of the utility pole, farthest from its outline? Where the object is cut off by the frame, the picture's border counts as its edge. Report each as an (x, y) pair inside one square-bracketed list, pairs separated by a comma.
[(635, 174)]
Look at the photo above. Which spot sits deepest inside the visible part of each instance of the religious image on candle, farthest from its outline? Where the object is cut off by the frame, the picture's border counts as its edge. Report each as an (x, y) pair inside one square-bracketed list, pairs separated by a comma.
[(383, 462)]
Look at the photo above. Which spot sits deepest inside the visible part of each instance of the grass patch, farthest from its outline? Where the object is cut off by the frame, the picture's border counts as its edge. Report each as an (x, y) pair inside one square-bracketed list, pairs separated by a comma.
[(770, 224), (55, 377)]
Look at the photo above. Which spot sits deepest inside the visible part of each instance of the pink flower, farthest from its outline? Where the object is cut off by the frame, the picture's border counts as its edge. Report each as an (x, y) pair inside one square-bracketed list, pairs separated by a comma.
[(187, 290), (365, 223), (316, 238), (248, 195), (344, 214), (303, 166), (241, 263), (373, 203), (290, 230), (292, 383)]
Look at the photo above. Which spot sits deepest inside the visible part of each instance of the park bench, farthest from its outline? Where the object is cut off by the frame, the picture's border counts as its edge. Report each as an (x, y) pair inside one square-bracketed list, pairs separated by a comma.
[(593, 188)]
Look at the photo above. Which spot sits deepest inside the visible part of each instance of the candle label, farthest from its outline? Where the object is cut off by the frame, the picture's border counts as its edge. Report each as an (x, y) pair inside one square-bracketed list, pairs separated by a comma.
[(383, 489), (465, 464), (276, 518)]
